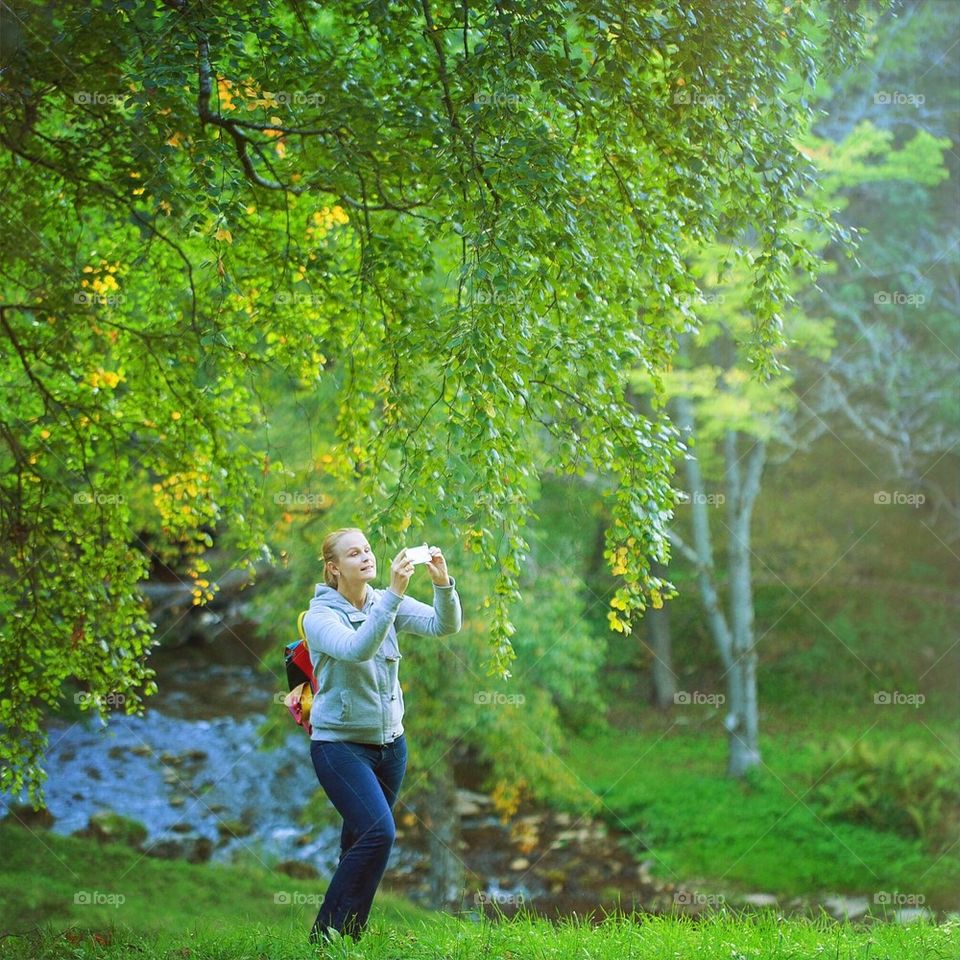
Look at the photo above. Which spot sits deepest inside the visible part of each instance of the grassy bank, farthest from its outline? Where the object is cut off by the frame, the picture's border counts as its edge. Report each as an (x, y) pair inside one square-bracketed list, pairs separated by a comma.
[(133, 906), (665, 784), (57, 881)]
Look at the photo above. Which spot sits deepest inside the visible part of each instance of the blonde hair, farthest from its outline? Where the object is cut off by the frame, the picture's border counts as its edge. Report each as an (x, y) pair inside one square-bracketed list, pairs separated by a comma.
[(329, 552)]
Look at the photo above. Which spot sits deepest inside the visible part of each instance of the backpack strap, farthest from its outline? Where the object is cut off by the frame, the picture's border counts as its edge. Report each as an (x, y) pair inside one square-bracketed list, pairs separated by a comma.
[(302, 635)]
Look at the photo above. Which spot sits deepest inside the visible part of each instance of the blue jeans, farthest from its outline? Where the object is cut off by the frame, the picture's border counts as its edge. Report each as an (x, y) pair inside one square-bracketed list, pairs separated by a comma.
[(362, 781)]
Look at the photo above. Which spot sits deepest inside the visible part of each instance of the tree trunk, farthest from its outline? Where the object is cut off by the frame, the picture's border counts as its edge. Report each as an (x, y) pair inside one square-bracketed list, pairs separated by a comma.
[(446, 874), (734, 640), (742, 722), (658, 637)]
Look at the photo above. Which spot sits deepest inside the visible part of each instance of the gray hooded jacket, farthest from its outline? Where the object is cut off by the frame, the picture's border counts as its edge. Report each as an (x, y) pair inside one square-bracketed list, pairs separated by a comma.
[(356, 658)]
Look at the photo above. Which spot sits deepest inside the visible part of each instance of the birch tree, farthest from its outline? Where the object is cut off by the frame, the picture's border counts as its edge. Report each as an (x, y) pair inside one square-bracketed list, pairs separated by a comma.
[(198, 190)]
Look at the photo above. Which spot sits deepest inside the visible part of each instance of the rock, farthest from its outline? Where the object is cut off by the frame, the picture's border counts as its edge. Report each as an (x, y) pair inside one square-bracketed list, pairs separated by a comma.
[(849, 908), (142, 750), (25, 816), (562, 819), (760, 899), (555, 880), (520, 863), (105, 826), (912, 914), (469, 803), (234, 828), (182, 827), (194, 849), (298, 869)]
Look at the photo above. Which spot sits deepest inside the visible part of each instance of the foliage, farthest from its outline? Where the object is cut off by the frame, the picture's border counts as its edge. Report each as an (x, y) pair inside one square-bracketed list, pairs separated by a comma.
[(455, 711), (891, 380), (909, 788), (480, 223)]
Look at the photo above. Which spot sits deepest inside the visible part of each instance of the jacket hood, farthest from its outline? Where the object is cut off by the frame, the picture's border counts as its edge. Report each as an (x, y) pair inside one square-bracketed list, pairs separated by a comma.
[(331, 597)]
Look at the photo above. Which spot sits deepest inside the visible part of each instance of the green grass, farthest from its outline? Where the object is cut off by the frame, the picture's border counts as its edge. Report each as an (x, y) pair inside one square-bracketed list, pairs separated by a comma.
[(722, 937), (668, 788), (172, 909), (42, 872)]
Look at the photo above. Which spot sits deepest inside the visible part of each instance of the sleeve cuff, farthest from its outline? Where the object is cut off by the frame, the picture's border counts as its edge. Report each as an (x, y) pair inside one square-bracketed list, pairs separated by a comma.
[(449, 586), (393, 600)]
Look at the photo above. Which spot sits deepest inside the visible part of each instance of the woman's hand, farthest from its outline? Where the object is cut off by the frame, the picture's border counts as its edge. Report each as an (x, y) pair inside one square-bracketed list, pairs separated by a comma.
[(400, 572), (438, 568)]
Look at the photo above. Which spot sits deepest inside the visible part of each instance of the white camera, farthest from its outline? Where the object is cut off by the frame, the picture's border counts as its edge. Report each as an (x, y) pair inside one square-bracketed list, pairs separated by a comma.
[(419, 554)]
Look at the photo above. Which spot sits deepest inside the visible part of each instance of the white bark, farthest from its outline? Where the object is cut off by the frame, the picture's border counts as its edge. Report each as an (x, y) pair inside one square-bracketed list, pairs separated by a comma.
[(734, 637)]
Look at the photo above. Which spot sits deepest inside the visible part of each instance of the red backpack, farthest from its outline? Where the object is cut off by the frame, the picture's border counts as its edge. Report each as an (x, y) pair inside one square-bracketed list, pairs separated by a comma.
[(300, 679)]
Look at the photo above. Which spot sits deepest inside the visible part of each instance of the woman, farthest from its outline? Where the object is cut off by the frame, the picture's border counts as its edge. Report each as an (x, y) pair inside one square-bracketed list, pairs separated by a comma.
[(357, 743)]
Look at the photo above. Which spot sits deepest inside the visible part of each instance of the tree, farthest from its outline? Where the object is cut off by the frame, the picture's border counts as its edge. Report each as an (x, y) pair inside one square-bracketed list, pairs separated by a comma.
[(199, 191), (737, 425), (892, 379)]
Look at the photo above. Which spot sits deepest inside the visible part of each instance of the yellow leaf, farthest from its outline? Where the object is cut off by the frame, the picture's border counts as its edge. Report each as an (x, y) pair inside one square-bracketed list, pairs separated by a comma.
[(224, 234)]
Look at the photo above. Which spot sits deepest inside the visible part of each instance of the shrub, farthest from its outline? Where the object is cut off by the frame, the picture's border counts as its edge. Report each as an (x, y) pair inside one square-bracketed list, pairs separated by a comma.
[(909, 788)]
